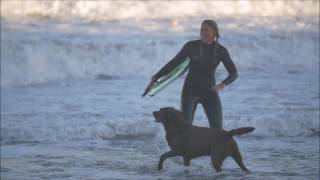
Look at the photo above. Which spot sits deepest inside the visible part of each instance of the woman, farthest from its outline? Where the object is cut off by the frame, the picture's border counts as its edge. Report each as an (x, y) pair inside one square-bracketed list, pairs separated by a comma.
[(200, 84)]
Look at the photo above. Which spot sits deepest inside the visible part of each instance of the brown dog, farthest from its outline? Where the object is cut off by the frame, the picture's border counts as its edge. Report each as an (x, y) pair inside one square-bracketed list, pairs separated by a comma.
[(190, 141)]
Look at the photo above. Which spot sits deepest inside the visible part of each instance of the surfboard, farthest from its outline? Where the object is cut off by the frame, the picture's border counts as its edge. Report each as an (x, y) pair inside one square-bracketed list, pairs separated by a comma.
[(165, 80)]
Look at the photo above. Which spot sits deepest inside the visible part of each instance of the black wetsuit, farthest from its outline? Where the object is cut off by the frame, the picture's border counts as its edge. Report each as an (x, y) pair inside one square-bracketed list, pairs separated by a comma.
[(201, 76)]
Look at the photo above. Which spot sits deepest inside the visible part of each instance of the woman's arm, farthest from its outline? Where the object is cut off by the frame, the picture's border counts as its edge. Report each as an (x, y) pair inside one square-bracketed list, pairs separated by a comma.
[(229, 65), (179, 58)]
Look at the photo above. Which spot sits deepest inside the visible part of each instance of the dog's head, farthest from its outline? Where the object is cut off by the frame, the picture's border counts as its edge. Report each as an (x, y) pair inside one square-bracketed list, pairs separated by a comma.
[(167, 114)]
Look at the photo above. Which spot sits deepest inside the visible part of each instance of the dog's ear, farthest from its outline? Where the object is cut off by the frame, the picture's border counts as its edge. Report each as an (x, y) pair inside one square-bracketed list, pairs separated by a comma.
[(172, 113), (169, 113), (180, 114)]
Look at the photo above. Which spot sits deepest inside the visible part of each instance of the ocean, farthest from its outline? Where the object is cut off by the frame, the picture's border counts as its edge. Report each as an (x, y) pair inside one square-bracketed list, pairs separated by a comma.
[(73, 72)]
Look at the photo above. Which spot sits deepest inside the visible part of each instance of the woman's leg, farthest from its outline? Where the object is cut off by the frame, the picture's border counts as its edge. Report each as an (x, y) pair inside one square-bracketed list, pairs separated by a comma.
[(188, 104), (212, 106)]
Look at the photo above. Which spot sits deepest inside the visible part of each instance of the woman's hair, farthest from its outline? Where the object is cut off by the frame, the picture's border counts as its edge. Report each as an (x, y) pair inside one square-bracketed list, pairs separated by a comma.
[(214, 25)]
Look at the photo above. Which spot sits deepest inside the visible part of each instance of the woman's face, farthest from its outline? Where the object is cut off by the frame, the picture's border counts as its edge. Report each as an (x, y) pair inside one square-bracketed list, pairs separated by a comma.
[(207, 33)]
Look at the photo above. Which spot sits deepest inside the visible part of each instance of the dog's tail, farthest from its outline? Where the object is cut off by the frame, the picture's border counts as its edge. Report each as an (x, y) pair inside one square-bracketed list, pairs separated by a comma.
[(239, 131)]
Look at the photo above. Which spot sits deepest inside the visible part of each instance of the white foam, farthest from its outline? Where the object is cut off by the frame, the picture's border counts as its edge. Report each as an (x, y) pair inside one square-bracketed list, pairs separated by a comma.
[(64, 131), (113, 10), (32, 55)]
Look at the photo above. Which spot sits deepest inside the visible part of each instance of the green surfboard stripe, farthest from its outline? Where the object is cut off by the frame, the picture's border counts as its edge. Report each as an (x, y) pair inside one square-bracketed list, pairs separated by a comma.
[(165, 80)]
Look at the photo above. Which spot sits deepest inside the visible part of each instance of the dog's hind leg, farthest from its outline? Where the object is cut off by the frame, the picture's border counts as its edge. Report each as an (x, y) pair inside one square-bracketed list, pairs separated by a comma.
[(237, 157), (186, 161), (218, 155), (166, 155)]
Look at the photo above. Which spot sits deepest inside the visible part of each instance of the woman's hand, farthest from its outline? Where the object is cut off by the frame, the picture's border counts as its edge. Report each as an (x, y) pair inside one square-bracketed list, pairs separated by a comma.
[(218, 87), (152, 81)]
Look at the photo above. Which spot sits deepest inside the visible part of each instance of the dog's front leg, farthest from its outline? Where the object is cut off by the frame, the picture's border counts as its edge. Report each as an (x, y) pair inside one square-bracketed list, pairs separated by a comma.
[(166, 155)]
